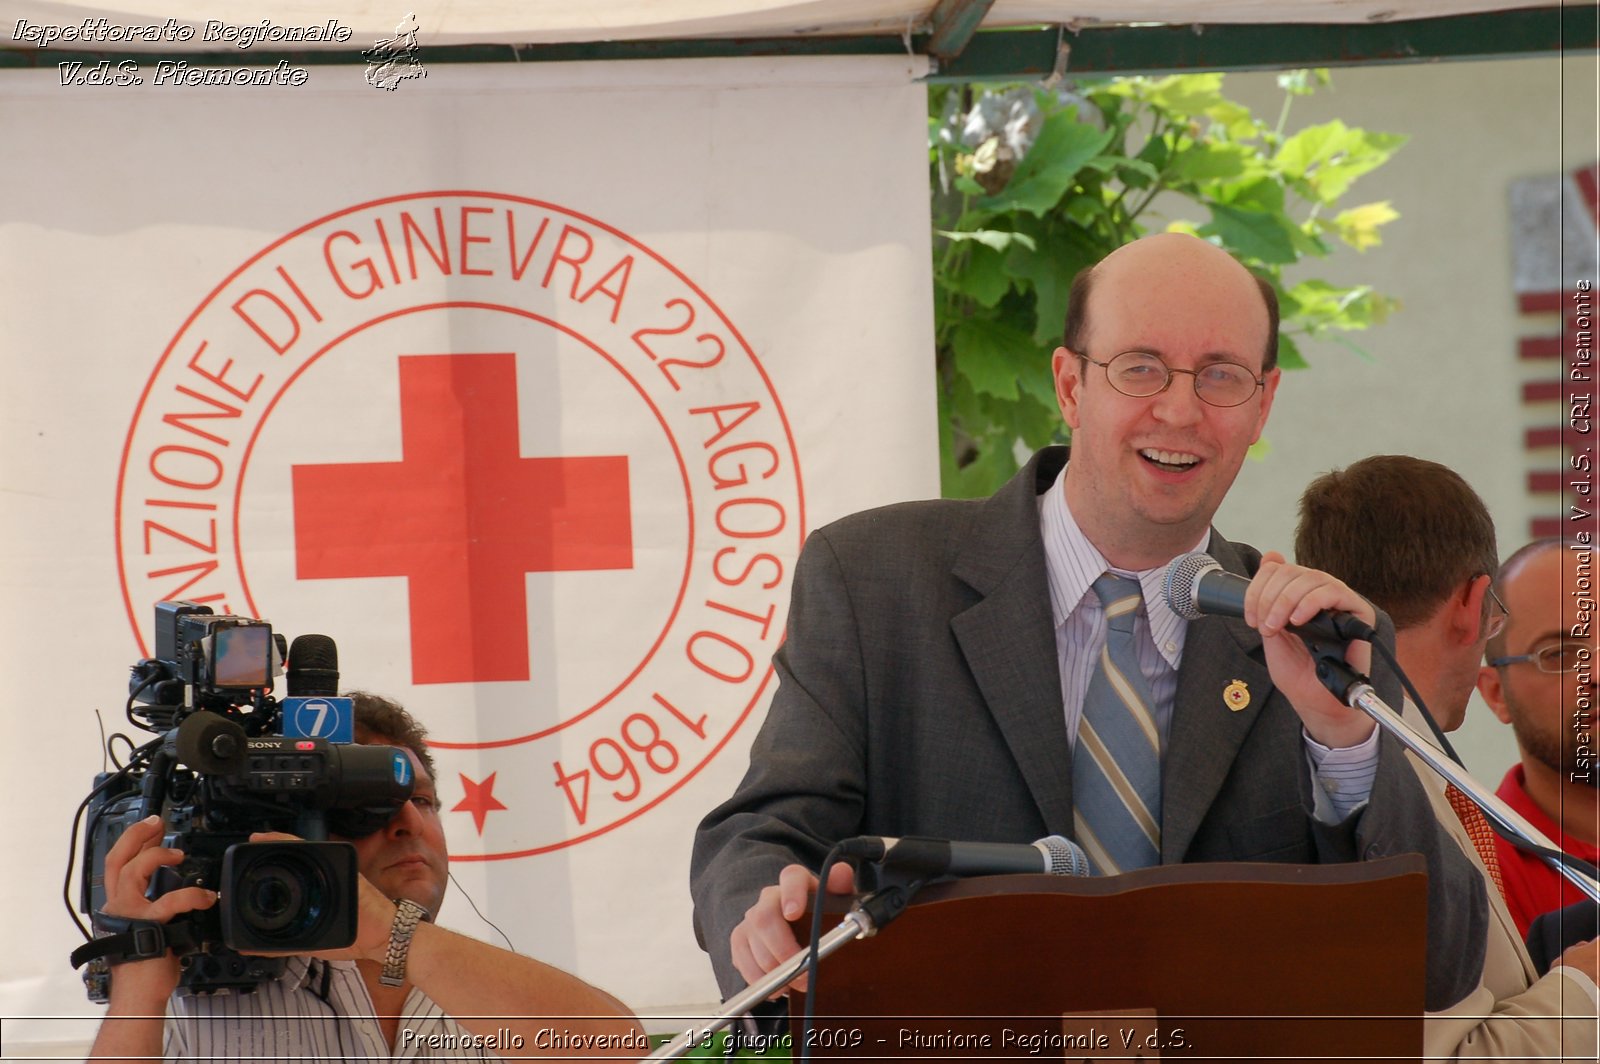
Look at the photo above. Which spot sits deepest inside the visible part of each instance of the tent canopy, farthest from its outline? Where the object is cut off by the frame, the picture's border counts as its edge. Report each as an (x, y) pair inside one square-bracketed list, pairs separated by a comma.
[(1303, 32)]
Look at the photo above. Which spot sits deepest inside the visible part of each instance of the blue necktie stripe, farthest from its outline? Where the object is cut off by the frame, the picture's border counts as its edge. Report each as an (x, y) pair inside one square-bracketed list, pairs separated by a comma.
[(1116, 765)]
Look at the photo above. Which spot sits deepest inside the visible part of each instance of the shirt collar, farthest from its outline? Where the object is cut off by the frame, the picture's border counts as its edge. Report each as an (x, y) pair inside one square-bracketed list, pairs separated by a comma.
[(1074, 564)]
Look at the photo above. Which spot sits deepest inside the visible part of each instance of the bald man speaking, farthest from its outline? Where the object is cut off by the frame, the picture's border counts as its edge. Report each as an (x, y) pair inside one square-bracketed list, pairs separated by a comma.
[(1005, 669)]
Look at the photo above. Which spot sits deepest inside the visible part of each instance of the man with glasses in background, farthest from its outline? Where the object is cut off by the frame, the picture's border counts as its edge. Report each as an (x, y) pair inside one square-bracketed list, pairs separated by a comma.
[(1540, 679), (1414, 537)]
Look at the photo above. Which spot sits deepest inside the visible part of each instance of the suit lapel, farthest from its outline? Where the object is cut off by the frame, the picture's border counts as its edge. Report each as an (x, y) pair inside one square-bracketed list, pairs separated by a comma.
[(1008, 640), (1008, 636), (1207, 730)]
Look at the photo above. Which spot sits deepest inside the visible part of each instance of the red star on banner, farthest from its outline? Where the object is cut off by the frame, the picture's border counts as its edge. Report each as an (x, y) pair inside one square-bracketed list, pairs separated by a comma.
[(480, 800)]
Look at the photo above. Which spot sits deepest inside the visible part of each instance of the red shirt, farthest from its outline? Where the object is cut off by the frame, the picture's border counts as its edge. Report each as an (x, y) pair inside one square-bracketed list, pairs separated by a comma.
[(1533, 887)]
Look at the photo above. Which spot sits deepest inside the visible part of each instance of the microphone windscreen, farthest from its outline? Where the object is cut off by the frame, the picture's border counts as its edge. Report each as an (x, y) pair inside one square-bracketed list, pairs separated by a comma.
[(313, 666), (1182, 581), (1064, 857)]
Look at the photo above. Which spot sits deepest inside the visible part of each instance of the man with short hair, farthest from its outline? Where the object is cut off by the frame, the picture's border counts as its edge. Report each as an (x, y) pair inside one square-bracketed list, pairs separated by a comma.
[(1540, 679), (1005, 669), (1413, 537), (342, 1004)]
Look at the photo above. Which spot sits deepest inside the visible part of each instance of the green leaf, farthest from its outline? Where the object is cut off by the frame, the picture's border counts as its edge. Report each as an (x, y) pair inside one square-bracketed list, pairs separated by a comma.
[(994, 465), (1041, 388), (1083, 210), (1260, 235), (1233, 120), (1155, 153), (965, 184), (966, 406), (1255, 194), (1122, 166), (1289, 356), (1209, 161), (1335, 179), (1329, 157), (1320, 305), (1064, 144), (982, 275), (988, 354), (1307, 242), (1368, 308), (1320, 299), (1025, 418), (1314, 145), (1358, 226), (1049, 273)]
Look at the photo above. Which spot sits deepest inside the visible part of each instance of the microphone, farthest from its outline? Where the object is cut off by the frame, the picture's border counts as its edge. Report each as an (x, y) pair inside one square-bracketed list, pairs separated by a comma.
[(1196, 586), (313, 667), (1056, 856)]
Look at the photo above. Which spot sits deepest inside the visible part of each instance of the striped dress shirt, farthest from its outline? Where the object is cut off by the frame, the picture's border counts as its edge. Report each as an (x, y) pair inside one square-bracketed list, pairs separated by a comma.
[(1342, 778), (317, 1010)]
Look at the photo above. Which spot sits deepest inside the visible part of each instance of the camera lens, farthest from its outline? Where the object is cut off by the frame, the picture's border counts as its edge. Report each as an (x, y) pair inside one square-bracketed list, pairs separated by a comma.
[(272, 898), (294, 897), (282, 895)]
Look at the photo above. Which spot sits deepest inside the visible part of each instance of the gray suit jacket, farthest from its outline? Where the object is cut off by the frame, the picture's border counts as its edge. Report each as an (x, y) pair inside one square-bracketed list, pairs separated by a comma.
[(920, 695)]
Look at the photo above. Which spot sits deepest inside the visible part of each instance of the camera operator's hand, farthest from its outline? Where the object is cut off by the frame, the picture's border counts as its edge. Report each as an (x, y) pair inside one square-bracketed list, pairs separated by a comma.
[(139, 989), (129, 866)]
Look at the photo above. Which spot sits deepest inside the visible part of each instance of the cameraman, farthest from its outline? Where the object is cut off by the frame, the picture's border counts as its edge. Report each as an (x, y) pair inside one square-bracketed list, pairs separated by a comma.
[(342, 1008)]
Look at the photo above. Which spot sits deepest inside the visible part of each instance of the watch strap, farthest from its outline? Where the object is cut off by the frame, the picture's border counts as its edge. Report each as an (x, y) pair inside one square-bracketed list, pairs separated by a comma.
[(407, 915)]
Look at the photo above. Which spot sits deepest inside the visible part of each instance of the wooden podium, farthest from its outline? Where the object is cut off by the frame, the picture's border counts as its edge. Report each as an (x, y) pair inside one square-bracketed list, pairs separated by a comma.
[(1179, 962)]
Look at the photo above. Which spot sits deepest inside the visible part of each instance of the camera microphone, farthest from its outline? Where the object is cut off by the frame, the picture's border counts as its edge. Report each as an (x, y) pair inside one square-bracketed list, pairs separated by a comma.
[(313, 667), (312, 708)]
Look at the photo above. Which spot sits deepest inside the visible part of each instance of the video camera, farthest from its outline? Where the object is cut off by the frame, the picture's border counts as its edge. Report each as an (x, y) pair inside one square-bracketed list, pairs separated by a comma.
[(222, 768)]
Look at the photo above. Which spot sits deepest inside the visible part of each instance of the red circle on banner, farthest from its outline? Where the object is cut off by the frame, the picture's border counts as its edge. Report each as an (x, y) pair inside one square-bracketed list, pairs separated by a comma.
[(474, 305)]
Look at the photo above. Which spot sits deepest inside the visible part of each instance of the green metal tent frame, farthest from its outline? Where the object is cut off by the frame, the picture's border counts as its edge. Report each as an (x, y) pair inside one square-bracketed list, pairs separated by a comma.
[(962, 51)]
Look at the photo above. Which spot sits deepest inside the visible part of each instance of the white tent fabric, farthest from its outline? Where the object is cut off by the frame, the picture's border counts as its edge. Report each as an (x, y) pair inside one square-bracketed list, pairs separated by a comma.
[(453, 22), (639, 288)]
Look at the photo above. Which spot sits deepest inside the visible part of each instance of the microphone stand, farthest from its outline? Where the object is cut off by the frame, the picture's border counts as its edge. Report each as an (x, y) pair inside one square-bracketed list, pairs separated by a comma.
[(1356, 691), (865, 919)]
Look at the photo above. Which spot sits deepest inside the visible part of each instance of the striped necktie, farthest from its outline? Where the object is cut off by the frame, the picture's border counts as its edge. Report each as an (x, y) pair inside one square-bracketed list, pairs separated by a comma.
[(1116, 763)]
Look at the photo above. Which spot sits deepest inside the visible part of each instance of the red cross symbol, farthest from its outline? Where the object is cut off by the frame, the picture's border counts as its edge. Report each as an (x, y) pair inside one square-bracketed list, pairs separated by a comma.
[(463, 516)]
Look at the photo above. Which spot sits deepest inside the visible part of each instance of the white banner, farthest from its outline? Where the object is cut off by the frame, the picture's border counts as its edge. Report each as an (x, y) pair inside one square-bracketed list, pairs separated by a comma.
[(522, 382)]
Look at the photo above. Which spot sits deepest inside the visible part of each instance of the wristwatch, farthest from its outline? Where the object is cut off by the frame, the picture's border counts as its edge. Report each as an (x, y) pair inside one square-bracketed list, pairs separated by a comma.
[(407, 914)]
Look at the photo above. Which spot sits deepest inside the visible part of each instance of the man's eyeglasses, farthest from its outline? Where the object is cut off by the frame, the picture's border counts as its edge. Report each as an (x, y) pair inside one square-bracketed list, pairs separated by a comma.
[(1498, 616), (1555, 658), (1141, 374)]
